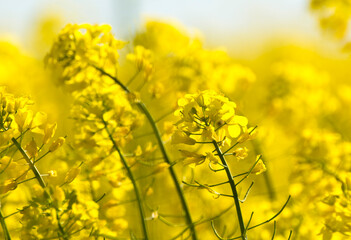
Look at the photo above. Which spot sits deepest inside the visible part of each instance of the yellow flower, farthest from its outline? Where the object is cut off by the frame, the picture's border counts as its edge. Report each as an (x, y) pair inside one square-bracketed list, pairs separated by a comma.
[(4, 162), (161, 167), (58, 195), (209, 133), (119, 225), (49, 132), (31, 149), (24, 118), (259, 168), (141, 57), (240, 153), (78, 47), (212, 158), (234, 130), (8, 185), (56, 144), (39, 120), (72, 174), (52, 173), (210, 115), (156, 89), (181, 137), (192, 158)]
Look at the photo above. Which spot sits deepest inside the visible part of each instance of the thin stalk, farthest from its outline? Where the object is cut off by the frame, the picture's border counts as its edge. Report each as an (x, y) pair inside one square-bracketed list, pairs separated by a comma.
[(16, 212), (60, 226), (132, 78), (143, 108), (39, 179), (37, 160), (221, 183), (30, 163), (4, 227), (132, 179), (276, 215), (274, 229), (234, 191), (202, 222), (8, 147)]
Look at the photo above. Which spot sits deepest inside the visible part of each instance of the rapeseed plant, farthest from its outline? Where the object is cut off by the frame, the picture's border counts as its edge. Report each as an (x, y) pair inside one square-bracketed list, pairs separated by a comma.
[(173, 141)]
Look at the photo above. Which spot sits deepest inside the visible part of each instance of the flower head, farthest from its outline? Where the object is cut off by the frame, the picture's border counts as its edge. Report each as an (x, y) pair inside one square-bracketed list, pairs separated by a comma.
[(209, 115)]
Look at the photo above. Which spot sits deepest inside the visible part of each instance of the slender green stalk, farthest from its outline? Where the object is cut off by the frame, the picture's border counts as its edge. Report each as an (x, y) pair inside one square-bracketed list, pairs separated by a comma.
[(143, 108), (234, 191), (30, 163), (16, 212), (276, 215), (39, 179), (4, 227), (132, 179)]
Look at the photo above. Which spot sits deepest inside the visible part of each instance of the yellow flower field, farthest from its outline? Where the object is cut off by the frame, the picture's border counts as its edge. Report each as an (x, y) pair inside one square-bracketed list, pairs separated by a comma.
[(161, 137)]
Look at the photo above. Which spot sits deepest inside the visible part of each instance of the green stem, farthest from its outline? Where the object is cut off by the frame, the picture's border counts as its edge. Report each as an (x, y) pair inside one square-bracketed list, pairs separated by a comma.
[(16, 212), (4, 227), (143, 108), (132, 179), (60, 226), (30, 163), (8, 147), (234, 191), (39, 179)]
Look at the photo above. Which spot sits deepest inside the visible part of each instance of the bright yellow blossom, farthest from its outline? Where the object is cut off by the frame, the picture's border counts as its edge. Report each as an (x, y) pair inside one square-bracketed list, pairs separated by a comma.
[(259, 168)]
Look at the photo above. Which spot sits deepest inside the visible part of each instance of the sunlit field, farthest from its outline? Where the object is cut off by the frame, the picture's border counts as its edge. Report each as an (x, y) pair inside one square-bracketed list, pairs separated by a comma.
[(159, 136)]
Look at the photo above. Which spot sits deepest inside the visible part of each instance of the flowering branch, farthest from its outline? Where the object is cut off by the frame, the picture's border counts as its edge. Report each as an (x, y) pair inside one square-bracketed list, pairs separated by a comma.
[(234, 191), (144, 109), (30, 163), (131, 177)]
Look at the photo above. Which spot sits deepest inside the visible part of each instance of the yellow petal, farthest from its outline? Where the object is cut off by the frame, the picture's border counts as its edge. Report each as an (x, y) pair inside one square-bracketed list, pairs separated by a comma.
[(39, 119), (72, 174), (212, 158), (56, 144), (58, 195), (259, 168), (234, 130), (49, 132), (8, 185), (181, 137), (23, 118), (242, 121), (31, 149)]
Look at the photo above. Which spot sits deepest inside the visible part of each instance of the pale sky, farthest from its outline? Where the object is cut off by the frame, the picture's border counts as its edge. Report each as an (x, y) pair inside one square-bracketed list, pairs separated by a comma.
[(218, 20)]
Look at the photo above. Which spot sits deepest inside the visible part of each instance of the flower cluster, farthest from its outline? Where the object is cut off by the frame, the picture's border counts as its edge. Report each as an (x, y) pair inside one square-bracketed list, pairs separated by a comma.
[(337, 214), (66, 213), (186, 66), (109, 179), (79, 50), (21, 127), (314, 143), (208, 116), (142, 58), (26, 139)]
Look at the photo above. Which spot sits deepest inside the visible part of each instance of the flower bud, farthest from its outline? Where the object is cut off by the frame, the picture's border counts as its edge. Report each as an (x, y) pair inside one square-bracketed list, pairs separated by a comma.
[(259, 168), (56, 144)]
